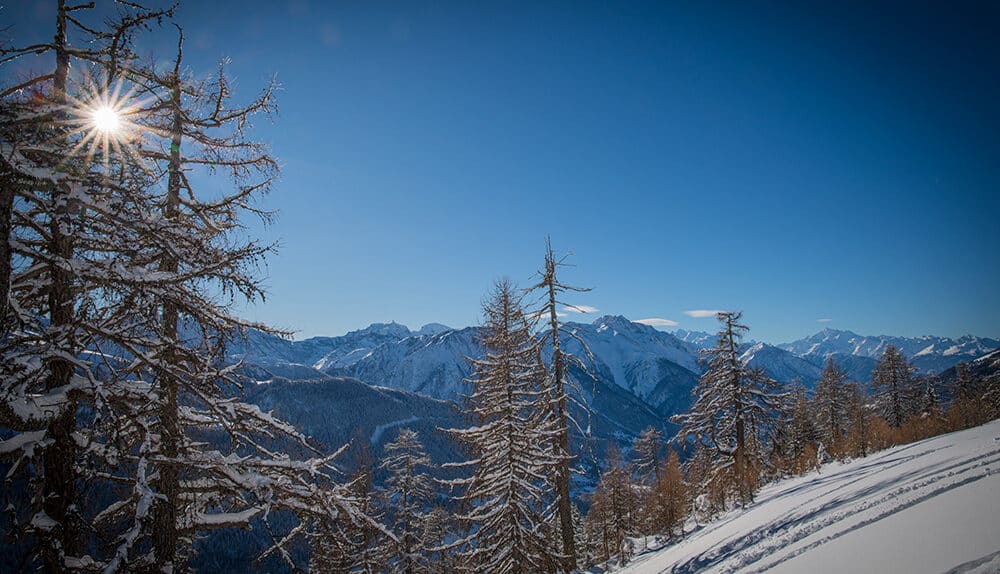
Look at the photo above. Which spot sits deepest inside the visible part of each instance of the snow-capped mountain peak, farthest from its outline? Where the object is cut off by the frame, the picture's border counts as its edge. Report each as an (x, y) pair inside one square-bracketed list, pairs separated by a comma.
[(432, 329), (929, 354)]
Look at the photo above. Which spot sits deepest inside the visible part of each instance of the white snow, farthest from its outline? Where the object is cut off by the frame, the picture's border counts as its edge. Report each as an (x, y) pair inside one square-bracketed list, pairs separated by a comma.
[(927, 507), (380, 429)]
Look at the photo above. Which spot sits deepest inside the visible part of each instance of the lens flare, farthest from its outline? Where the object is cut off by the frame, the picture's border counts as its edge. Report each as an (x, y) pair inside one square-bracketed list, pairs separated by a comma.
[(106, 119)]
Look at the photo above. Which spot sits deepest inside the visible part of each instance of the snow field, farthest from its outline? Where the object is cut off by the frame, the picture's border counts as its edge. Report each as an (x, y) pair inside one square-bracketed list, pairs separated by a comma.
[(928, 507)]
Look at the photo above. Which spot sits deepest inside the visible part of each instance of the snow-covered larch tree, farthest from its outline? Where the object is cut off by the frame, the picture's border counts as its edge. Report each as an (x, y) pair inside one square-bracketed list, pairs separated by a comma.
[(509, 495), (408, 490), (830, 406), (733, 409), (62, 182), (892, 381), (646, 450), (122, 289), (551, 289)]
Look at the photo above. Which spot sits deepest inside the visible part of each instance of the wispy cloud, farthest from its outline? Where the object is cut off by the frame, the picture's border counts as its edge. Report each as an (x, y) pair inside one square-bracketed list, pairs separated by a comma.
[(543, 316), (580, 309), (702, 313), (823, 320), (657, 322)]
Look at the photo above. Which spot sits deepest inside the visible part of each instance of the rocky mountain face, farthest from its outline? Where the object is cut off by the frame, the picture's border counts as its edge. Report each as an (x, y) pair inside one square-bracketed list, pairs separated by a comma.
[(928, 354), (629, 374)]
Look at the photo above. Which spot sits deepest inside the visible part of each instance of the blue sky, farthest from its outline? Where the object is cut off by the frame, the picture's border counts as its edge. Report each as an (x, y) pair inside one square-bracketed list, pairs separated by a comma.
[(798, 161)]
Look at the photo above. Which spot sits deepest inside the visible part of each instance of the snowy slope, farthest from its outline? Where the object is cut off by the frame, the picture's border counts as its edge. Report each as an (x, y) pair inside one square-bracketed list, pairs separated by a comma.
[(697, 339), (434, 365), (927, 507), (653, 365), (781, 365)]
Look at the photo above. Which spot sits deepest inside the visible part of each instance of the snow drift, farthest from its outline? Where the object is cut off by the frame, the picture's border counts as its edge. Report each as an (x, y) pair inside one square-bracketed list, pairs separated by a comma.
[(927, 507)]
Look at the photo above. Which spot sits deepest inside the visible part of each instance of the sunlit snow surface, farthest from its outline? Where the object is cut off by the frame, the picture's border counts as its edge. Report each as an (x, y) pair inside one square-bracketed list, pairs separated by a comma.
[(927, 507)]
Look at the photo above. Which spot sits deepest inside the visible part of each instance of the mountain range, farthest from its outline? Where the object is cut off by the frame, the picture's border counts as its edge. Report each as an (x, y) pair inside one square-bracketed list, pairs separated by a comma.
[(631, 375)]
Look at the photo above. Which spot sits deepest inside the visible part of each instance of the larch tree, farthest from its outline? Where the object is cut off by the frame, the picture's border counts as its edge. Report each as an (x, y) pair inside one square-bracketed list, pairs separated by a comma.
[(830, 405), (509, 495), (673, 496), (859, 417), (647, 469), (732, 412), (802, 435), (551, 289), (646, 450), (613, 511), (439, 529), (58, 228), (892, 381), (409, 489), (968, 407), (122, 285)]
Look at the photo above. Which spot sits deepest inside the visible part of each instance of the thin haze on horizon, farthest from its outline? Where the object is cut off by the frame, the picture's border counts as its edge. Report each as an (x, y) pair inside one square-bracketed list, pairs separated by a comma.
[(814, 165)]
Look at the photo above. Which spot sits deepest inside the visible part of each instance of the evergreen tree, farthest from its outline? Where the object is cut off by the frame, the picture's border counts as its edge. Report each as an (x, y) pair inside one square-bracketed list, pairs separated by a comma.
[(966, 386), (509, 492), (647, 470), (343, 544), (892, 379), (438, 530), (991, 395), (830, 405), (408, 491), (646, 450), (859, 417), (613, 508), (732, 412)]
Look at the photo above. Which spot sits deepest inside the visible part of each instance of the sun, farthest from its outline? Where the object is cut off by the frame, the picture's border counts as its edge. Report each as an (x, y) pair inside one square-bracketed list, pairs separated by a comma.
[(106, 119), (103, 121)]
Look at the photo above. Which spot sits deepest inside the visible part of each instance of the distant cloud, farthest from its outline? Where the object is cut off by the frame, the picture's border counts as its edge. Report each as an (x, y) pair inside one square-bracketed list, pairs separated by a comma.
[(702, 313), (543, 316), (580, 309), (658, 322), (823, 320)]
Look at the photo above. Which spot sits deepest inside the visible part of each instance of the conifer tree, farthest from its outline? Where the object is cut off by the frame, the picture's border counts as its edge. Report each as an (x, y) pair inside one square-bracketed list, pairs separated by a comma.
[(438, 530), (805, 433), (991, 395), (732, 412), (673, 496), (892, 379), (859, 417), (830, 405), (510, 492), (551, 289), (123, 298), (646, 450), (408, 491), (647, 468), (613, 507), (54, 198)]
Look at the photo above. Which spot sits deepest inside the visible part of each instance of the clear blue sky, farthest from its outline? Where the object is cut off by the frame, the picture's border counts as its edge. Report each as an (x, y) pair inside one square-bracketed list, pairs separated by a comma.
[(799, 161)]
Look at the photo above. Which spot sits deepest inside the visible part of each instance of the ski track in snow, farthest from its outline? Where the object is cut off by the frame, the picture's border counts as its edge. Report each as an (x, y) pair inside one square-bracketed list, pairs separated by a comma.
[(380, 429), (795, 517)]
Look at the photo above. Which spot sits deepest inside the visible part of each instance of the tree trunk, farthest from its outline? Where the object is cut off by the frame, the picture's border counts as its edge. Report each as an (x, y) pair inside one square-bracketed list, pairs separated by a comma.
[(59, 476), (165, 536), (8, 185), (562, 476)]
